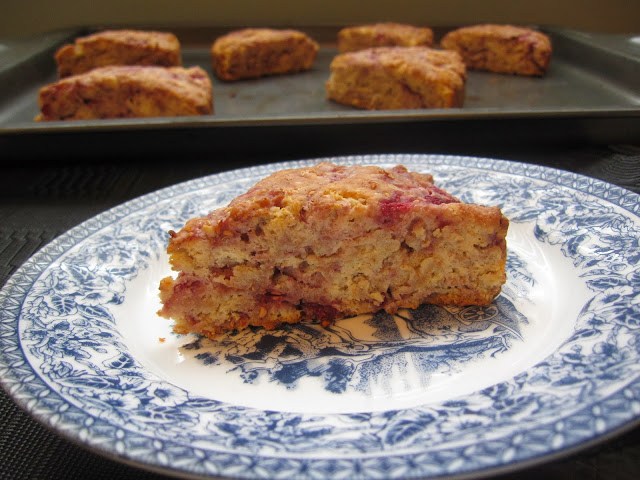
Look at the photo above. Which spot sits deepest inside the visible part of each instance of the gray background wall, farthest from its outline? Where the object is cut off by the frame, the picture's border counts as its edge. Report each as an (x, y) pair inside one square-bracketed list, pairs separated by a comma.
[(27, 17)]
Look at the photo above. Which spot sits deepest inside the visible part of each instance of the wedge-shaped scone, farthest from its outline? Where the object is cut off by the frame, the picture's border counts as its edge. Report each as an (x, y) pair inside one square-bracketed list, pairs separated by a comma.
[(388, 34), (324, 242), (501, 48), (257, 52), (118, 47), (128, 91), (386, 78)]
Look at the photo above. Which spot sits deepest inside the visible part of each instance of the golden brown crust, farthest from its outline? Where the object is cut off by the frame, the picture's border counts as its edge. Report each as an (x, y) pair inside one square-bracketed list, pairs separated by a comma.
[(256, 52), (397, 78), (127, 91), (387, 34), (501, 48), (325, 242), (118, 47)]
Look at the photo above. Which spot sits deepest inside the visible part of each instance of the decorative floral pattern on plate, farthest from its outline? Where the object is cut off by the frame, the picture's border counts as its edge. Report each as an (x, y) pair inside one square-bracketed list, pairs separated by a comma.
[(552, 364), (429, 339)]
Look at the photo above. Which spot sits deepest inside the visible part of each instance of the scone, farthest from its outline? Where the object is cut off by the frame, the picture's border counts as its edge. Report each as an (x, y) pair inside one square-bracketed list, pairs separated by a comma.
[(118, 47), (325, 242), (387, 34), (128, 91), (386, 78), (257, 52), (501, 49)]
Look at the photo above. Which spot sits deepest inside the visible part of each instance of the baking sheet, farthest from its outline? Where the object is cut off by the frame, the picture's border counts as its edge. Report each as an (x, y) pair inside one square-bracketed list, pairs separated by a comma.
[(589, 83)]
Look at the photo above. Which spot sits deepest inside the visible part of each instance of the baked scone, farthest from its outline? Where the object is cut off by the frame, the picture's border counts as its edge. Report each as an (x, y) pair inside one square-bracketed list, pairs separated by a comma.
[(386, 34), (325, 242), (386, 78), (501, 48), (118, 47), (127, 91), (257, 52)]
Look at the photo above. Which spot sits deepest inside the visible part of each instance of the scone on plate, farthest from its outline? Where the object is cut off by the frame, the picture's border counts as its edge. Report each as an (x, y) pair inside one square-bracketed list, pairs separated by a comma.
[(501, 48), (386, 78), (257, 52), (118, 47), (387, 34), (325, 242), (127, 91)]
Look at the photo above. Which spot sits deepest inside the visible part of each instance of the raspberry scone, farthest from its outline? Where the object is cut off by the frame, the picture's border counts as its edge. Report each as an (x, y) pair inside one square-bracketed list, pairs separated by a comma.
[(501, 49), (258, 52), (118, 47), (326, 242), (127, 92), (386, 78), (387, 34)]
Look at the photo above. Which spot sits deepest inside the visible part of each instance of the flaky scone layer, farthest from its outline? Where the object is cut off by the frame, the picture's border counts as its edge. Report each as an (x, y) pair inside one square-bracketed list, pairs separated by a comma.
[(325, 242)]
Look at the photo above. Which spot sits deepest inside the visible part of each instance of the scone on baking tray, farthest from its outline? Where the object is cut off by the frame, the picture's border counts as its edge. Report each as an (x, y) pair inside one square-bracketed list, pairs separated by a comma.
[(257, 52), (127, 91), (501, 48), (386, 34), (386, 78), (325, 242), (118, 47)]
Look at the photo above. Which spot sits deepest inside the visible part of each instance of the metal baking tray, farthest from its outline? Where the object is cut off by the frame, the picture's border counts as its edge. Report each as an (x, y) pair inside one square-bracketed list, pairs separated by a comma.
[(590, 94)]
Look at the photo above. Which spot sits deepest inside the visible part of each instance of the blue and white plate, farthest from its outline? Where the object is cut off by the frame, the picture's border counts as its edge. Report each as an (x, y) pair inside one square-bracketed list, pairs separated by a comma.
[(551, 366)]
